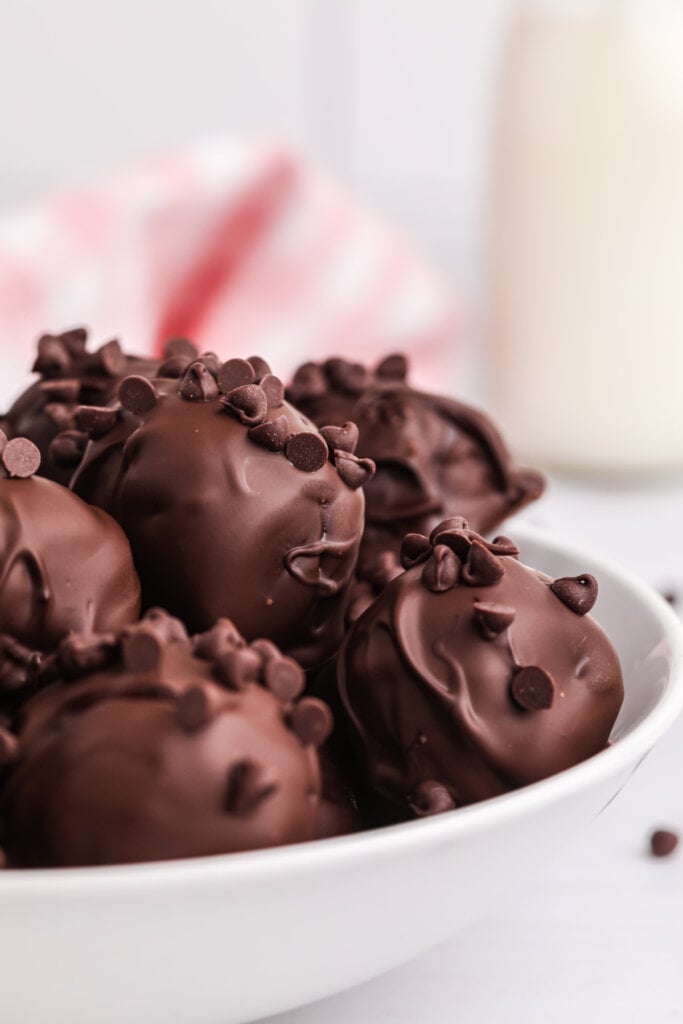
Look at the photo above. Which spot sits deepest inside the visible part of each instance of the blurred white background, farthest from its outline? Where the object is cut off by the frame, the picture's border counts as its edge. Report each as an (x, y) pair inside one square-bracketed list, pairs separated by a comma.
[(392, 95)]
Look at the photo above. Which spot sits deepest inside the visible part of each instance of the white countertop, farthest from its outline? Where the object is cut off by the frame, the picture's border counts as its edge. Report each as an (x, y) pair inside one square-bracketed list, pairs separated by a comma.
[(599, 936)]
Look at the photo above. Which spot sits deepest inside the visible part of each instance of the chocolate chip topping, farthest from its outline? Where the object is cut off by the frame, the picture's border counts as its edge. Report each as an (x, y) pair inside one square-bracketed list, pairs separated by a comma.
[(20, 458), (274, 390), (415, 548), (354, 472), (306, 451), (261, 367), (66, 449), (663, 842), (137, 394), (248, 403), (198, 384), (344, 438), (578, 593), (180, 347), (393, 367), (272, 434), (311, 720), (235, 373), (96, 420), (284, 677), (442, 571), (482, 568), (142, 648), (493, 619), (175, 366), (533, 688), (308, 382)]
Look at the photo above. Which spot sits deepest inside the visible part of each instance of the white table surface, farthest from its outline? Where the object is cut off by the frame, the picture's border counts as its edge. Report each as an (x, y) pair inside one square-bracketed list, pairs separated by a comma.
[(598, 937)]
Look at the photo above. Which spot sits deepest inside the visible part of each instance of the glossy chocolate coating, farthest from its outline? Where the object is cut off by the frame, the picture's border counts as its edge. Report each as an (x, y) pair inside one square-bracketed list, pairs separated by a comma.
[(233, 507), (69, 376), (65, 566), (168, 748), (434, 456), (469, 677)]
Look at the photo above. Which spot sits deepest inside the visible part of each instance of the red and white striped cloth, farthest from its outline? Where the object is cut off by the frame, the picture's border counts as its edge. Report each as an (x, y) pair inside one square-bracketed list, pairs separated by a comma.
[(243, 248)]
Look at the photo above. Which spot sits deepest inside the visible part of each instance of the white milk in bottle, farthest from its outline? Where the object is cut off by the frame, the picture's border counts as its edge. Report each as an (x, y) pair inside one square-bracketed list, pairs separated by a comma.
[(586, 296)]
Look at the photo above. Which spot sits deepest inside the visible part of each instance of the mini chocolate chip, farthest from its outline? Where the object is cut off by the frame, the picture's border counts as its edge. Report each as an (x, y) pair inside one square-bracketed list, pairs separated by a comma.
[(20, 457), (245, 788), (455, 524), (273, 389), (166, 627), (237, 668), (415, 548), (63, 416), (141, 648), (198, 384), (578, 593), (351, 378), (260, 367), (137, 395), (430, 797), (354, 471), (271, 435), (96, 420), (533, 688), (248, 403), (65, 390), (309, 381), (284, 677), (75, 340), (222, 637), (393, 367), (180, 347), (235, 373), (671, 597), (53, 357), (492, 619), (9, 746), (311, 720), (482, 568), (174, 367), (504, 546), (193, 710), (265, 648), (108, 359), (79, 654), (344, 438), (306, 451), (442, 571), (66, 449), (211, 361), (663, 842)]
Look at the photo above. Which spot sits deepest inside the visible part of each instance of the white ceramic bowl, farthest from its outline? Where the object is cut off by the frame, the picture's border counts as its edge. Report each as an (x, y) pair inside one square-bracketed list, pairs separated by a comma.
[(232, 938)]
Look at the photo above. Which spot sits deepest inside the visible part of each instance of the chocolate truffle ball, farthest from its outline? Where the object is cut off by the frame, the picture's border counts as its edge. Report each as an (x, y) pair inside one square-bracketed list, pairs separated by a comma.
[(65, 566), (472, 675), (152, 746), (434, 456), (233, 503), (70, 376)]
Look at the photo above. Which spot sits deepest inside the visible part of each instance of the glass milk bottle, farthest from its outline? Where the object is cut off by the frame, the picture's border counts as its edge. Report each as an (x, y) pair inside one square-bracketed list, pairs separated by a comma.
[(586, 260)]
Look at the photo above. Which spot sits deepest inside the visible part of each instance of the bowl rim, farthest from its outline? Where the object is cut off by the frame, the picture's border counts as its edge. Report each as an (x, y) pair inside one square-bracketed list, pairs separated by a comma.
[(392, 840)]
